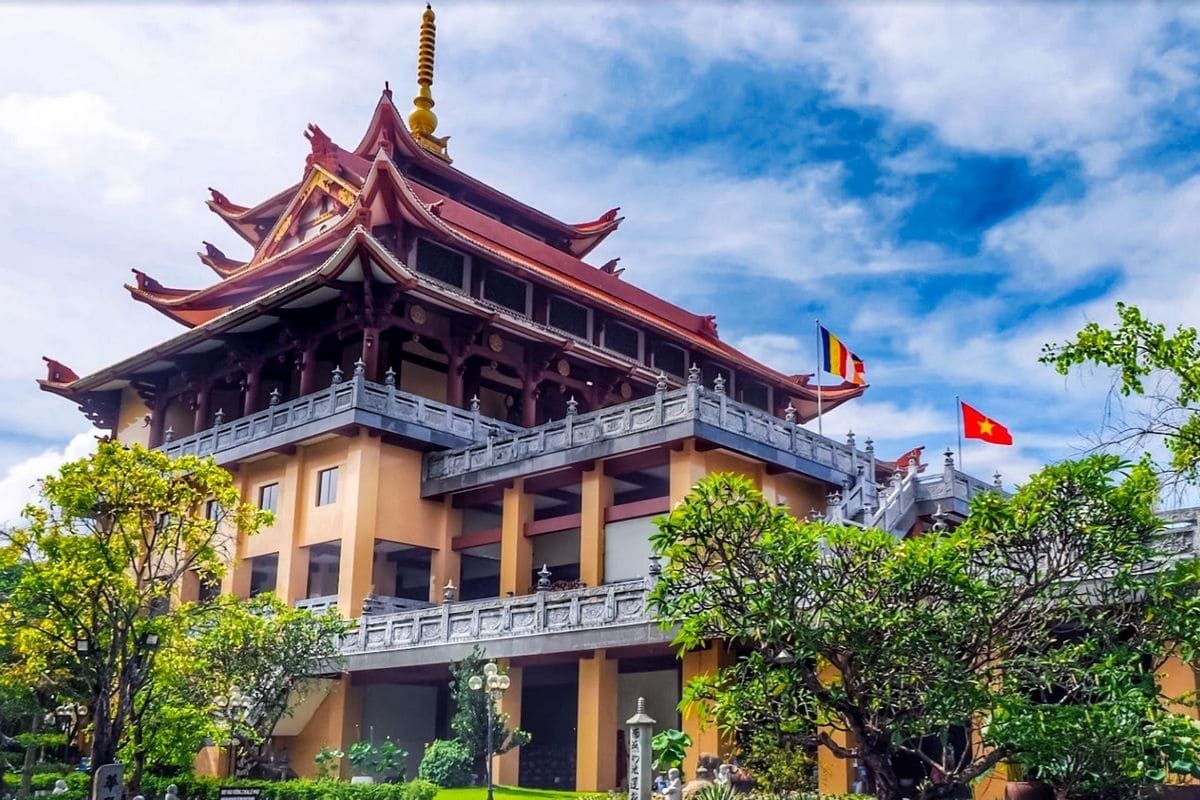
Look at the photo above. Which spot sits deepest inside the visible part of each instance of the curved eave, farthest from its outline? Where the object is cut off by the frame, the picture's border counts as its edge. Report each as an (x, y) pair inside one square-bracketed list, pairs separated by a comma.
[(387, 122)]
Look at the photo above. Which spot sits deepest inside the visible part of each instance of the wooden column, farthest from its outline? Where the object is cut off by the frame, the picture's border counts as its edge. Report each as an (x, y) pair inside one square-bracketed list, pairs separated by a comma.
[(370, 353), (596, 728), (516, 550), (455, 367), (308, 368), (506, 769), (200, 421), (596, 494), (250, 395), (529, 393)]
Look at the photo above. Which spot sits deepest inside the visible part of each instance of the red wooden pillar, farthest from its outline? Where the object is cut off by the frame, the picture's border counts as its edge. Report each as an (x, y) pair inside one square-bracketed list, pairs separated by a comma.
[(529, 393), (250, 394), (455, 368), (370, 354), (201, 420), (308, 368)]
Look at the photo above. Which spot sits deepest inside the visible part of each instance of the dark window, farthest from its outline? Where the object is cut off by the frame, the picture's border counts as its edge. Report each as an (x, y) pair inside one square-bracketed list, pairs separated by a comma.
[(569, 317), (210, 589), (263, 572), (754, 394), (670, 359), (327, 486), (438, 262), (622, 339), (268, 497), (212, 510), (505, 290)]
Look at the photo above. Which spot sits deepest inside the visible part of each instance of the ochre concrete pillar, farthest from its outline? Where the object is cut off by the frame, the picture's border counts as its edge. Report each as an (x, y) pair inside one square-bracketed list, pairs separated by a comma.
[(506, 768), (1177, 680), (596, 727), (236, 580), (686, 469), (212, 761), (292, 581), (596, 494), (337, 723), (835, 775), (445, 563), (359, 513), (516, 551), (706, 738)]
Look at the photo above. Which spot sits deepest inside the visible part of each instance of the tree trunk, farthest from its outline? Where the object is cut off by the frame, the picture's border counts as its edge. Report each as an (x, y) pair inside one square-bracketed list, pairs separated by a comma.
[(35, 727), (137, 769), (887, 785)]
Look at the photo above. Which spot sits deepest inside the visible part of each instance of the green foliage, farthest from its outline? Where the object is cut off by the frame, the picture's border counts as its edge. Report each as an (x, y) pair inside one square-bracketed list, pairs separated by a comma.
[(1108, 738), (101, 553), (328, 761), (670, 748), (204, 788), (871, 634), (778, 766), (1138, 350), (447, 762), (716, 791), (469, 722), (383, 759)]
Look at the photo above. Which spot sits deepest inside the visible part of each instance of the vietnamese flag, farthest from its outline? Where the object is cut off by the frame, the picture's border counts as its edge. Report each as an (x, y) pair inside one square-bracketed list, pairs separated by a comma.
[(977, 425)]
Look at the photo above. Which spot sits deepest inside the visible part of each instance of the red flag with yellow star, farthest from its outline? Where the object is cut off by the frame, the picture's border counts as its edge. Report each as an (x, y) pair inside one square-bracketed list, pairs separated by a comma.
[(977, 425)]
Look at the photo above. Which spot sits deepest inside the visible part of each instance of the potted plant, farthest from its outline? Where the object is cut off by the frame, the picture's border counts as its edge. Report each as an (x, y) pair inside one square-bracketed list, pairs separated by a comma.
[(670, 747)]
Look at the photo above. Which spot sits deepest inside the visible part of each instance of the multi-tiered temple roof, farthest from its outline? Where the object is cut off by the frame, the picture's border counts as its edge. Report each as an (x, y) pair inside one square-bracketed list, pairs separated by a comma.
[(357, 215)]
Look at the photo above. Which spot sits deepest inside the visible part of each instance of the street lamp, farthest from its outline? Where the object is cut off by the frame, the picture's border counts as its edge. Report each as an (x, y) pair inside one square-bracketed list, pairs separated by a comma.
[(493, 684)]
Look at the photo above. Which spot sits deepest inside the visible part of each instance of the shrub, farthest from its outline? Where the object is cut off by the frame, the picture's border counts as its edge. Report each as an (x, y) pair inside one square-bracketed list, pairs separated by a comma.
[(778, 766), (205, 788), (447, 762)]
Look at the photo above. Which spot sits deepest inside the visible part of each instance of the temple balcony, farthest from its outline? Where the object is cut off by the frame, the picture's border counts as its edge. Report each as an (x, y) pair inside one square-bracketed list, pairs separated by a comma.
[(664, 417), (613, 615), (343, 405)]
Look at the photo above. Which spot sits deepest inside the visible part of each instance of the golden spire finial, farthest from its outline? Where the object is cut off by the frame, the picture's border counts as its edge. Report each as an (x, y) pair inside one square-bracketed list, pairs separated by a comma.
[(421, 120)]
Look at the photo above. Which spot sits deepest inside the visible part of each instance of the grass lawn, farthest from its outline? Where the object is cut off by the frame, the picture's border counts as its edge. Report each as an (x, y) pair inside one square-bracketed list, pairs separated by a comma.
[(504, 793)]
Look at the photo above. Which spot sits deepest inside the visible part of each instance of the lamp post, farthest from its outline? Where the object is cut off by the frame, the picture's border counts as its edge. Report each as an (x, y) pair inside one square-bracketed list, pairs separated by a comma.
[(493, 685), (234, 710)]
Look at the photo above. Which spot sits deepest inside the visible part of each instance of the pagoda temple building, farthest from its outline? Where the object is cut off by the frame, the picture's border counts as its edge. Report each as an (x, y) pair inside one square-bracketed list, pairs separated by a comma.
[(464, 430)]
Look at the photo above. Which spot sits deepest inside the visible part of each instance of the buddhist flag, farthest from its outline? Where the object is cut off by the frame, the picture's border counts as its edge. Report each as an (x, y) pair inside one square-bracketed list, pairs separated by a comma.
[(977, 425), (840, 361)]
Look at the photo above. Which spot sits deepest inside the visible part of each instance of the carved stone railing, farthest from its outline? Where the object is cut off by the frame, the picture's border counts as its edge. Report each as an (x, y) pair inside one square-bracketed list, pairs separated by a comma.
[(611, 606), (692, 403), (357, 393), (376, 604), (318, 605)]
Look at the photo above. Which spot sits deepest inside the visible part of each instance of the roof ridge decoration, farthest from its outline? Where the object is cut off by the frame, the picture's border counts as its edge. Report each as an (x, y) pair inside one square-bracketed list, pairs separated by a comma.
[(422, 122)]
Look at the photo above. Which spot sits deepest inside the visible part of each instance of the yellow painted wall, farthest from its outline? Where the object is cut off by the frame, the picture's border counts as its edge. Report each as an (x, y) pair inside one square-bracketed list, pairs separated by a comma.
[(506, 768), (402, 515), (132, 427), (336, 723)]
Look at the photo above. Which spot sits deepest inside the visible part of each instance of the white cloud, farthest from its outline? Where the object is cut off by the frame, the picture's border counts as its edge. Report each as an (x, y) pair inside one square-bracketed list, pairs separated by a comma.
[(18, 484)]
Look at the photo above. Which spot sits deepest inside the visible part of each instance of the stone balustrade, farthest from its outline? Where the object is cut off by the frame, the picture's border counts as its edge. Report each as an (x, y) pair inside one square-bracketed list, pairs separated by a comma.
[(318, 605), (344, 402), (685, 410), (607, 607)]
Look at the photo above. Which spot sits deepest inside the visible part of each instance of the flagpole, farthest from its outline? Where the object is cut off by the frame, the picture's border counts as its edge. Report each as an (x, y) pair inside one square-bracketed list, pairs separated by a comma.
[(820, 429), (958, 428)]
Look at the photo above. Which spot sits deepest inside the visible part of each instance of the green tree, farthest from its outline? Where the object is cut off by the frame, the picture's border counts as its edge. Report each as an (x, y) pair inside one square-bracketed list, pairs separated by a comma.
[(103, 549), (904, 641), (469, 722), (263, 653), (1150, 363)]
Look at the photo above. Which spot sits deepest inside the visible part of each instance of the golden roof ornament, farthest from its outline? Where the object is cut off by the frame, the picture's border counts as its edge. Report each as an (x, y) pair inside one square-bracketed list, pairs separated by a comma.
[(422, 122)]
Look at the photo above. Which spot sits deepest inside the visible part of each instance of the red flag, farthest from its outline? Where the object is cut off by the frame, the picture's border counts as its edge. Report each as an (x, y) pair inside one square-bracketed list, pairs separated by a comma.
[(977, 425)]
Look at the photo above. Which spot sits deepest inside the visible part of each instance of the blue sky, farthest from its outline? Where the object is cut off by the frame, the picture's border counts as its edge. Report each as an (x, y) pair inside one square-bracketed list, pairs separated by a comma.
[(946, 187)]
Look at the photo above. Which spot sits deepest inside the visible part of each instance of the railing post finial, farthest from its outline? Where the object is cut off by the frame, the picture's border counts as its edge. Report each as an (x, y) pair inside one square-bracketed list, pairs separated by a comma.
[(543, 583), (169, 434), (789, 413), (850, 439), (275, 397), (219, 417), (360, 368), (996, 481), (572, 406), (869, 446), (337, 375), (389, 377), (660, 385), (719, 384), (939, 519), (474, 404), (655, 565), (694, 374), (949, 458), (449, 592)]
